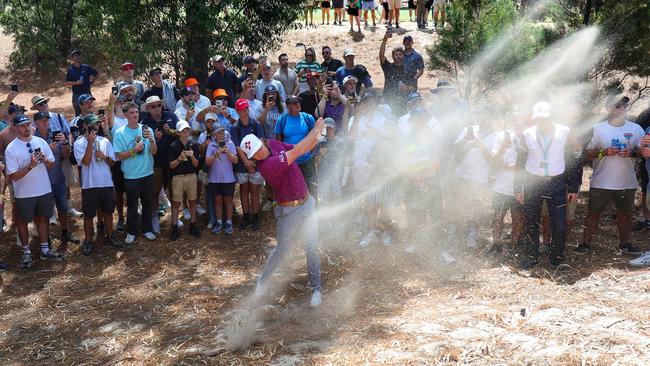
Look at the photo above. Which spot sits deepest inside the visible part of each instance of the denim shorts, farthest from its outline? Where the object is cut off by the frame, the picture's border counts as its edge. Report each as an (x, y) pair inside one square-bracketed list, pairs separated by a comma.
[(60, 196)]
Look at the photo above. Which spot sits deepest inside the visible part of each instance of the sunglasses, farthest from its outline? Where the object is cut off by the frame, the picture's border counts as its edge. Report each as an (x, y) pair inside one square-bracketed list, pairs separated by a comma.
[(156, 106), (29, 148), (41, 104), (309, 55)]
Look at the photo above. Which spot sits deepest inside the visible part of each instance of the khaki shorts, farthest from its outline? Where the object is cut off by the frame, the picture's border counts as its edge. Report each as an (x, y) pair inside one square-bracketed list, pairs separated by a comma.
[(394, 4), (185, 183)]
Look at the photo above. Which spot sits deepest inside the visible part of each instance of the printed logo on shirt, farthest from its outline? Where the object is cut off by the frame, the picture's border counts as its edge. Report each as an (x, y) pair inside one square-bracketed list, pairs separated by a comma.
[(628, 136), (281, 156)]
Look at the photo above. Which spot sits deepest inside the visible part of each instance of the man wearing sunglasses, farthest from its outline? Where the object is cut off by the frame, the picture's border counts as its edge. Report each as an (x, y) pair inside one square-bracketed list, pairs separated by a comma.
[(28, 158), (163, 123), (329, 64), (305, 66), (613, 149)]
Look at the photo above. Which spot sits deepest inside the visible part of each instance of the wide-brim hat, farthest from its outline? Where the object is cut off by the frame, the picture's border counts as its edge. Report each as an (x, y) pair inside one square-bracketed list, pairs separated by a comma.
[(38, 99)]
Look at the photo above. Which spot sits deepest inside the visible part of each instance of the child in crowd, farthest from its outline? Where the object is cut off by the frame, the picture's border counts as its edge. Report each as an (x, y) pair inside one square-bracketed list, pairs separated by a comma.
[(220, 157)]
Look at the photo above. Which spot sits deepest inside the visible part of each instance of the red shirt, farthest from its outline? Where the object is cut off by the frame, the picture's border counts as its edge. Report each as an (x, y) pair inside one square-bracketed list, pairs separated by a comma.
[(286, 179)]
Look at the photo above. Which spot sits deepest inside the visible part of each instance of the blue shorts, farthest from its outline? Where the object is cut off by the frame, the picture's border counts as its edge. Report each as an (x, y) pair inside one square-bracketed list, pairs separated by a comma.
[(60, 196)]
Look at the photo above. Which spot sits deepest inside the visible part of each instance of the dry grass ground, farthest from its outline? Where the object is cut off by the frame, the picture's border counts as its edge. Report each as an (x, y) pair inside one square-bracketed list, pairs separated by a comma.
[(175, 303)]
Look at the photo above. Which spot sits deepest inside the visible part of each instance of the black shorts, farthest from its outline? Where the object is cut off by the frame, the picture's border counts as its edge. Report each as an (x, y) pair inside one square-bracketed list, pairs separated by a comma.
[(118, 177), (29, 207), (325, 4), (94, 198), (353, 12), (411, 4), (338, 4), (643, 174), (221, 189)]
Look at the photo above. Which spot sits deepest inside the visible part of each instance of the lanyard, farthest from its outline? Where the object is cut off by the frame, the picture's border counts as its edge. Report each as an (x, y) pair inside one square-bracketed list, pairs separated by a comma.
[(545, 143)]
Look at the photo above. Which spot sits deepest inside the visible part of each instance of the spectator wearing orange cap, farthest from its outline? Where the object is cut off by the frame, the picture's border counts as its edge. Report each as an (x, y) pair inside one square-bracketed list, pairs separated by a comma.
[(222, 78), (226, 115), (202, 101), (128, 70)]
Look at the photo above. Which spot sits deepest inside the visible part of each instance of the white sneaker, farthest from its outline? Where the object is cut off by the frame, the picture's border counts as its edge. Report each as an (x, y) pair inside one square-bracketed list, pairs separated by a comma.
[(471, 239), (267, 206), (199, 210), (186, 214), (209, 226), (642, 261), (54, 220), (74, 213), (19, 244), (155, 224), (316, 299), (129, 239), (180, 224), (164, 201), (149, 235), (386, 239), (368, 238), (448, 258)]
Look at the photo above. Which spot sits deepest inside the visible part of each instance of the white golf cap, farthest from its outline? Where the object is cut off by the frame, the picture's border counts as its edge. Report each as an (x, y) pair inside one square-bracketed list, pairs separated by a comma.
[(348, 52), (181, 125), (348, 78), (210, 116), (152, 99), (250, 144), (542, 110)]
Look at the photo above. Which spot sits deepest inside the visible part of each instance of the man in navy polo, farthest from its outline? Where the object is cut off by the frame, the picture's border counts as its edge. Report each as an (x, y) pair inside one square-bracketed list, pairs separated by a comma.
[(79, 77)]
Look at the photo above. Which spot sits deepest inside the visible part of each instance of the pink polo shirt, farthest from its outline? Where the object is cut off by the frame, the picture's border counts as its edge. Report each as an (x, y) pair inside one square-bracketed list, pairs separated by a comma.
[(286, 179)]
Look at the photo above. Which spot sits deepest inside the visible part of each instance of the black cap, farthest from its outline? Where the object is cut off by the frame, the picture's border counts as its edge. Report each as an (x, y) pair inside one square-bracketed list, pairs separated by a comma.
[(21, 119), (75, 52), (249, 59), (270, 89), (293, 99), (185, 92), (41, 115), (155, 70)]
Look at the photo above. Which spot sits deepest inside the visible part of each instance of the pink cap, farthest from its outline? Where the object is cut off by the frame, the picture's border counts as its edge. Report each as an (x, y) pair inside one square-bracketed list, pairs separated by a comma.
[(241, 104)]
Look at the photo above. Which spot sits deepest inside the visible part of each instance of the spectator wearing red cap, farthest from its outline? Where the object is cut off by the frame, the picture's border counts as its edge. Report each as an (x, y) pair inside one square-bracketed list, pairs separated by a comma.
[(248, 177), (128, 69), (201, 101)]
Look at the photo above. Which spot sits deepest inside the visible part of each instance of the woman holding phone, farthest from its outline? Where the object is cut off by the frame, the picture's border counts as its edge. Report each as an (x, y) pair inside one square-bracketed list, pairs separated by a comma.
[(273, 109)]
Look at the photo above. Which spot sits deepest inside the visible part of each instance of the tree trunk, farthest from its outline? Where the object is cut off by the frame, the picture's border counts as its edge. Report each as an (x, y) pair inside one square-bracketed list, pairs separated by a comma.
[(65, 43), (197, 40)]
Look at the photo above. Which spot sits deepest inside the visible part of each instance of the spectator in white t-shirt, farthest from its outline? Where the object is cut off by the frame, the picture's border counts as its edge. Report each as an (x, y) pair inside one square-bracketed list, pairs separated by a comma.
[(613, 149), (96, 157), (28, 158)]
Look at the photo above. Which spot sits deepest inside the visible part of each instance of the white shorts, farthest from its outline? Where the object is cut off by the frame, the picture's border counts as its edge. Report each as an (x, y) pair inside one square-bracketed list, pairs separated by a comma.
[(253, 178)]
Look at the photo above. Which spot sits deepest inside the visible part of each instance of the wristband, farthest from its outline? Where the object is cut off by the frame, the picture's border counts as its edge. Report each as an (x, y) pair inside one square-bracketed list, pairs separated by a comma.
[(601, 154), (132, 152)]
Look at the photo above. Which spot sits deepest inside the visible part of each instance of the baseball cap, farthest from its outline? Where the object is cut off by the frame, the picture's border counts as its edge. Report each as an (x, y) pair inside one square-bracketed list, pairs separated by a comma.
[(181, 125), (250, 144), (348, 52), (312, 74), (270, 89), (249, 59), (155, 70), (614, 99), (348, 78), (128, 65), (37, 100), (368, 96), (241, 104), (542, 109), (83, 98), (407, 38), (21, 119), (91, 119), (413, 97), (216, 58), (216, 127), (124, 87), (152, 99), (220, 93), (75, 52), (191, 82), (329, 122), (210, 116), (41, 115), (442, 85), (13, 108), (293, 99), (185, 91)]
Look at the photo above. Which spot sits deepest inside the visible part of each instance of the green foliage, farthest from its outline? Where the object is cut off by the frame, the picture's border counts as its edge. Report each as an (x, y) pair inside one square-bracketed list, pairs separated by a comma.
[(179, 35)]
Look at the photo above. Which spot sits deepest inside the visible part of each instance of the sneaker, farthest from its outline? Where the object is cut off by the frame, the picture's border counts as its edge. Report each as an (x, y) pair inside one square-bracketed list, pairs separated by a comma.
[(642, 261), (630, 249), (164, 202), (368, 238), (149, 235), (245, 221), (639, 226), (87, 247), (316, 299), (267, 206), (194, 231), (186, 214), (257, 222), (120, 226), (69, 238), (52, 255), (228, 228), (129, 239), (216, 229), (386, 239), (26, 260), (180, 223), (582, 248), (209, 226), (175, 234), (155, 225), (161, 211), (528, 262), (112, 241), (54, 220), (200, 210), (448, 258), (74, 213), (3, 267)]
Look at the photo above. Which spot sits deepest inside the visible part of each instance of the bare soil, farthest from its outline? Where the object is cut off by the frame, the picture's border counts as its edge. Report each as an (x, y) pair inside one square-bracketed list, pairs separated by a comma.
[(177, 303)]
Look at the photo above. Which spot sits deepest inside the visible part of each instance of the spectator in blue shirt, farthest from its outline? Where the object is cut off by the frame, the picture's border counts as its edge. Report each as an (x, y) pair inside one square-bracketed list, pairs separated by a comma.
[(79, 77), (358, 71), (413, 61)]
